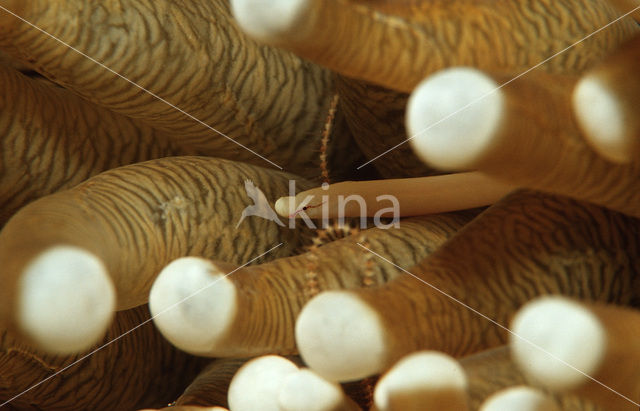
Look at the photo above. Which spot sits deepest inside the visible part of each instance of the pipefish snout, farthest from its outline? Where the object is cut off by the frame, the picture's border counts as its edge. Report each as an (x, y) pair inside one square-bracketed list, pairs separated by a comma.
[(304, 208)]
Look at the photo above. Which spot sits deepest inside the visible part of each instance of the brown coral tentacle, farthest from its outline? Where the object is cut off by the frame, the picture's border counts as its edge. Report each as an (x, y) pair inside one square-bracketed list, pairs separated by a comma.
[(191, 54), (427, 380), (358, 41), (53, 139), (493, 370), (252, 310), (481, 273), (139, 369), (585, 348), (122, 227), (523, 133), (210, 387), (606, 102), (375, 116)]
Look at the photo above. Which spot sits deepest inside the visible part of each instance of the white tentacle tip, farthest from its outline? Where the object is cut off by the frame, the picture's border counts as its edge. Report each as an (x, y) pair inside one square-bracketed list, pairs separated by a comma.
[(257, 384), (558, 342), (601, 117), (270, 20), (193, 304), (305, 390), (423, 380), (519, 398), (341, 337), (66, 300), (452, 117)]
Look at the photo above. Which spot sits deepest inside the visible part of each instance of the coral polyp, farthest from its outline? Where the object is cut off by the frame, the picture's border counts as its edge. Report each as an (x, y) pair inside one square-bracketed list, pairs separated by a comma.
[(135, 271)]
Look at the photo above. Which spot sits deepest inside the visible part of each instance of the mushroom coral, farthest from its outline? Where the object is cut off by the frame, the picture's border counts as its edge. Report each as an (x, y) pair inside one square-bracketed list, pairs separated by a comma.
[(130, 127)]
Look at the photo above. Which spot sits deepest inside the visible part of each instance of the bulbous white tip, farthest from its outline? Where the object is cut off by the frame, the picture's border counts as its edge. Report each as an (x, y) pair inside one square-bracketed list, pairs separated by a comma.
[(193, 304), (305, 390), (270, 20), (519, 398), (567, 333), (341, 337), (285, 206), (257, 384), (423, 380), (66, 300), (452, 117), (602, 119)]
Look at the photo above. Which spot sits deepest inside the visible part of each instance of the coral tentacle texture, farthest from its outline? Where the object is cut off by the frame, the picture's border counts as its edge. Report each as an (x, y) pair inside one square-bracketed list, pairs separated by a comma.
[(143, 147)]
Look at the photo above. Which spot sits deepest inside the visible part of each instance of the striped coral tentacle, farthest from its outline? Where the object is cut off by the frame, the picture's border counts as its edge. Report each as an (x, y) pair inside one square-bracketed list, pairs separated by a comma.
[(494, 370), (356, 40), (53, 139), (606, 104), (604, 370), (137, 370), (523, 133), (563, 247), (125, 225), (192, 55), (252, 311)]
